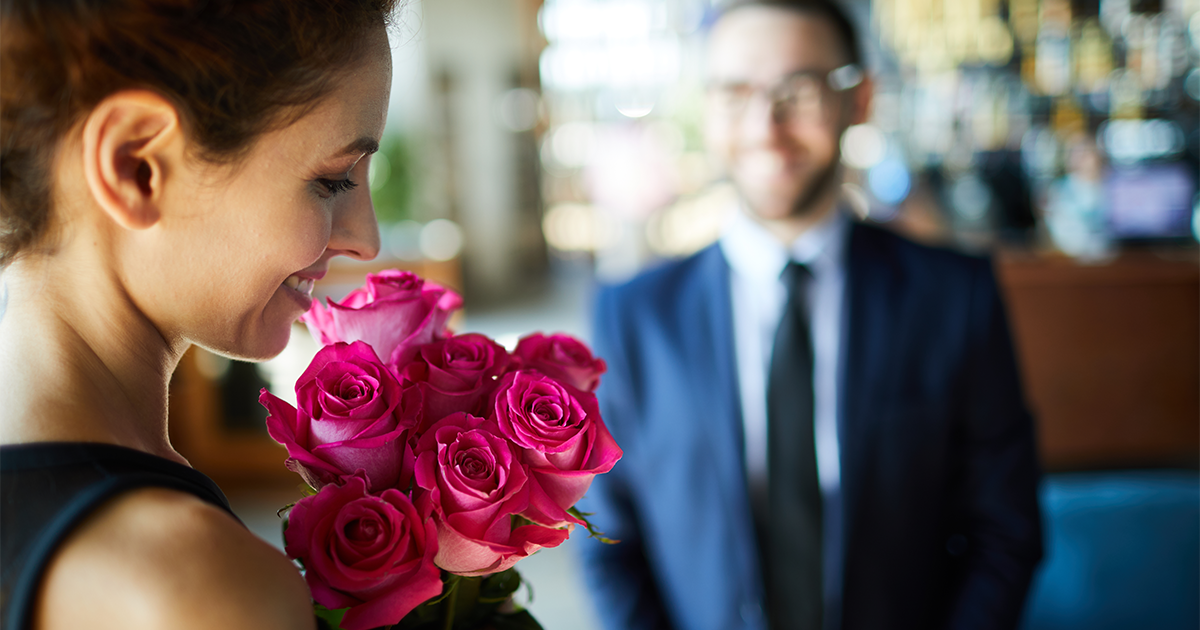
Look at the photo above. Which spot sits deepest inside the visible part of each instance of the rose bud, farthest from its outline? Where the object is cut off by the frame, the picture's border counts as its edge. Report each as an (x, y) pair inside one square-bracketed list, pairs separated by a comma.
[(371, 554), (566, 442), (353, 415), (474, 483), (395, 312), (456, 374), (562, 357)]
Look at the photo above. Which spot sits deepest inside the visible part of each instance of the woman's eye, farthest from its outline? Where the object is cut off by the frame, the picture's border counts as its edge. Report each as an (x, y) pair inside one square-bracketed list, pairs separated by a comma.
[(336, 186)]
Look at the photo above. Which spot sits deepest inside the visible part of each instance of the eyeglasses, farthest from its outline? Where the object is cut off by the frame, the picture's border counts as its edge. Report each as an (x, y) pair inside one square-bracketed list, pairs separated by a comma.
[(798, 96)]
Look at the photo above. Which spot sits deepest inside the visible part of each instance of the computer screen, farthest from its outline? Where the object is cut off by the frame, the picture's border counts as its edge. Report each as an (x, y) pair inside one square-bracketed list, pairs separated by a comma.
[(1153, 201)]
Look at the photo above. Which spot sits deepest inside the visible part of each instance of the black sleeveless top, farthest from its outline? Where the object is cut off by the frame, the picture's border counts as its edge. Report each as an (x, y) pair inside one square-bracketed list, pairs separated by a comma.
[(49, 488)]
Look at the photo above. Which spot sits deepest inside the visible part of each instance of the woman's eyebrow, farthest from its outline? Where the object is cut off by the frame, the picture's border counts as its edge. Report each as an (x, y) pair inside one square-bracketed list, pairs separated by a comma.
[(363, 146)]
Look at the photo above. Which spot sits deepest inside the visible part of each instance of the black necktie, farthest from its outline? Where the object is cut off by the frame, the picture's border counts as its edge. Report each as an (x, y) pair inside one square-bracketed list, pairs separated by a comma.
[(792, 555)]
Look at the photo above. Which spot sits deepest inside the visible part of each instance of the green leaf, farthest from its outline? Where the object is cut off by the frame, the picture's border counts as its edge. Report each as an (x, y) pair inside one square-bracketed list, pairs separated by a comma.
[(592, 531), (448, 585), (520, 521), (516, 621), (498, 587), (329, 619)]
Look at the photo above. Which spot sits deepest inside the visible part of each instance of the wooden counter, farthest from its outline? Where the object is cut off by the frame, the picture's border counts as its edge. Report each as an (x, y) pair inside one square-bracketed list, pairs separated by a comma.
[(1111, 356)]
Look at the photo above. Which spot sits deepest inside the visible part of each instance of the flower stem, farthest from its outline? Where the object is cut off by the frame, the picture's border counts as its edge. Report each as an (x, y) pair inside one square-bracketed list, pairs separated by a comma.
[(449, 605)]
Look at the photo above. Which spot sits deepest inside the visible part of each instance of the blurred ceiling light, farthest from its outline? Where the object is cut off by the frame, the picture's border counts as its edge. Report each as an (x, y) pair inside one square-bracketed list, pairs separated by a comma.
[(562, 20), (863, 146), (518, 109), (441, 239), (379, 171), (577, 227), (573, 66), (635, 109), (607, 44)]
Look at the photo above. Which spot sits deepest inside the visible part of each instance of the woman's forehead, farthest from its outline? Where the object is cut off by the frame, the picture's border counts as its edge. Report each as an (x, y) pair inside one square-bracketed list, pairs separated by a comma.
[(349, 119)]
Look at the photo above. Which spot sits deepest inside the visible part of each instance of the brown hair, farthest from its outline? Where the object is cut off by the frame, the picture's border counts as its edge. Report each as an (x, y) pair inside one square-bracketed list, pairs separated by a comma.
[(831, 10), (232, 68)]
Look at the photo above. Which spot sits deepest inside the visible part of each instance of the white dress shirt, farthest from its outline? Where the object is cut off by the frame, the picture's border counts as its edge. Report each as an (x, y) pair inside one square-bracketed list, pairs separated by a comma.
[(756, 260)]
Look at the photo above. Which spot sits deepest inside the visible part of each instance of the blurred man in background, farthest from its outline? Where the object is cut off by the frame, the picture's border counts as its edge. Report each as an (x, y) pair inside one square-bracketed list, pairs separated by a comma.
[(822, 422)]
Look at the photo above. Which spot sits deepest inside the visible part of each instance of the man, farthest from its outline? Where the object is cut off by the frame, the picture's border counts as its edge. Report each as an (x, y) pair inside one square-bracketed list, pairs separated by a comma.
[(836, 444)]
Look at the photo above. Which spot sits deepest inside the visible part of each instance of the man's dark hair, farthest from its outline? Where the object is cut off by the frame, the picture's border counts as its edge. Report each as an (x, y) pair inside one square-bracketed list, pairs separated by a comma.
[(830, 10)]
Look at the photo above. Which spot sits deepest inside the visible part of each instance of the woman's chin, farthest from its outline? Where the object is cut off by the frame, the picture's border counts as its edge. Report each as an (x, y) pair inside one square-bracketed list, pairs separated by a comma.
[(253, 350), (270, 343), (253, 343)]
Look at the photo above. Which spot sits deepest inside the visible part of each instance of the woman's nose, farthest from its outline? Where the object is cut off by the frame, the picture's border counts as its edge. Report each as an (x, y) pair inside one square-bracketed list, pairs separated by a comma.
[(355, 231)]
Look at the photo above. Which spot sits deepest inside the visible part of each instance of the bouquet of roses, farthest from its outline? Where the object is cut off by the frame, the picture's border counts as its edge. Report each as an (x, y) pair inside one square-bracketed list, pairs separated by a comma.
[(433, 462)]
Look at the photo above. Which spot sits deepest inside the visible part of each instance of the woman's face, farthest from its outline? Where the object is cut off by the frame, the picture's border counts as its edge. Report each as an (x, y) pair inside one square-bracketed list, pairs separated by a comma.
[(240, 246)]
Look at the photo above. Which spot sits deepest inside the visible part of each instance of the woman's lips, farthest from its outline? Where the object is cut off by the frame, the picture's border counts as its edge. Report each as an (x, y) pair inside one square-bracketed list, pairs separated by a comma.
[(304, 286)]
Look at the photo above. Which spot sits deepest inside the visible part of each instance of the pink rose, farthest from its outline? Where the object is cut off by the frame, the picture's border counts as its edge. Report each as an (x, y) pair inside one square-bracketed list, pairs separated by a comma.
[(474, 484), (371, 554), (456, 374), (566, 443), (395, 312), (353, 415), (562, 357)]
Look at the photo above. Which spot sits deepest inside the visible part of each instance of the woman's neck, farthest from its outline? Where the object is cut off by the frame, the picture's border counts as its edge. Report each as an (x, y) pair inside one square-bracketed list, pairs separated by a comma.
[(78, 360)]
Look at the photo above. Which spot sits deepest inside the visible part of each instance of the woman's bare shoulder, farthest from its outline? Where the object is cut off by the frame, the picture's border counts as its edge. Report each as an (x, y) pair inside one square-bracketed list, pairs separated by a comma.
[(158, 558)]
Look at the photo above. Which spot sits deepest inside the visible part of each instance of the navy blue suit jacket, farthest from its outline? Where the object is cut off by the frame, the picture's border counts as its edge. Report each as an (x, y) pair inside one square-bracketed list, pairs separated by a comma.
[(939, 470)]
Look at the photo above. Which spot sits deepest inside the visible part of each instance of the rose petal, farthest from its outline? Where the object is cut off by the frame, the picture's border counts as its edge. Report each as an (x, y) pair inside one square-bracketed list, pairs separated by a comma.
[(371, 554)]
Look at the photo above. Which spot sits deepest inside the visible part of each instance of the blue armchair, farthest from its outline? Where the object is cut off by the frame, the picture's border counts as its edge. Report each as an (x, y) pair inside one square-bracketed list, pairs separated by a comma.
[(1122, 552)]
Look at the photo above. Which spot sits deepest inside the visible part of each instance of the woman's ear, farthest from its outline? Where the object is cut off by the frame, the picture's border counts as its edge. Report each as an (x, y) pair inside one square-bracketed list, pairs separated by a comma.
[(129, 142)]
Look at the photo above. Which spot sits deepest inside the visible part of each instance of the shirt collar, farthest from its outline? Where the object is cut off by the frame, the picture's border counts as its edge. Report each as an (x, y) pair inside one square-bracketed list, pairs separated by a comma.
[(753, 252)]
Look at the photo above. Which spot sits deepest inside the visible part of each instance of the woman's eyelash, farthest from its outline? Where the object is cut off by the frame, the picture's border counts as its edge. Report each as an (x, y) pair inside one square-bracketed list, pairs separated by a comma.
[(336, 186)]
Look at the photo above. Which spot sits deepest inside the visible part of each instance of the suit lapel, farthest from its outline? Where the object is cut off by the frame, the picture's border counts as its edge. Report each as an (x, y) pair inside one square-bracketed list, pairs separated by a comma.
[(713, 358), (713, 361)]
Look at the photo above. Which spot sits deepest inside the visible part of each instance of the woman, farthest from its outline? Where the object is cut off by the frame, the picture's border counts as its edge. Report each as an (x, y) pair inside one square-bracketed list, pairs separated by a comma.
[(173, 172)]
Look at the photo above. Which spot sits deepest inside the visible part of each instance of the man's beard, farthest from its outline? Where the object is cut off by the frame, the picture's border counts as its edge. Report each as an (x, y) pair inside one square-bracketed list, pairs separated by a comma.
[(806, 199), (825, 181)]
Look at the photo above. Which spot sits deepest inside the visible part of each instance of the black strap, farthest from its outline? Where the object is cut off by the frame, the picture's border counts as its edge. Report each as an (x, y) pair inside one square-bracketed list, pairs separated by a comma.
[(47, 489), (792, 558)]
